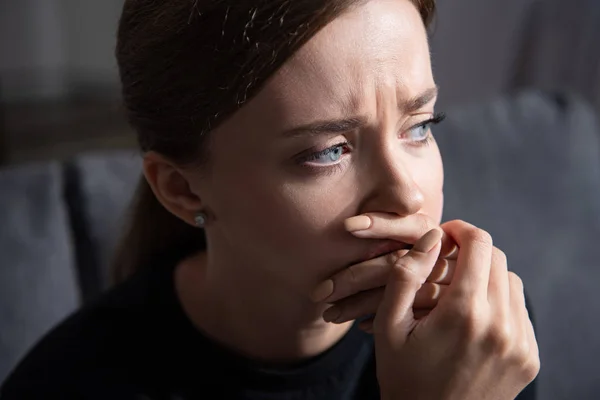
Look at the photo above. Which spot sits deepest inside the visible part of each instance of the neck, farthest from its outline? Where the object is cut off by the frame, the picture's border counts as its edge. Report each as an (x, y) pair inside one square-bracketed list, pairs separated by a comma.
[(253, 313)]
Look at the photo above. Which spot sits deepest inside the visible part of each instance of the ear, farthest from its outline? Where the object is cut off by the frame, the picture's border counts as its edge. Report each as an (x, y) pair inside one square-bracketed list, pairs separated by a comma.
[(171, 187)]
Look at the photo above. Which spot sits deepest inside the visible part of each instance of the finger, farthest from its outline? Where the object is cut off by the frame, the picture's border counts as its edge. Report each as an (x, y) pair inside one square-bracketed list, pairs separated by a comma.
[(443, 271), (370, 274), (390, 226), (518, 312), (353, 307), (449, 249), (428, 295), (367, 303), (471, 275), (498, 285), (529, 357), (394, 319), (402, 229), (421, 313), (367, 324)]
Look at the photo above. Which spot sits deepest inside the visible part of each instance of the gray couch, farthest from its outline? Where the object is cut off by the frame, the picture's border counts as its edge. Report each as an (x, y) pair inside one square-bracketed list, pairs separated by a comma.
[(524, 167)]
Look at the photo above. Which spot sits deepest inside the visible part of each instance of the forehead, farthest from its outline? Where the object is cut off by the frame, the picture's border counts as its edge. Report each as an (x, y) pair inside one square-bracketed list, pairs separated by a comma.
[(380, 45)]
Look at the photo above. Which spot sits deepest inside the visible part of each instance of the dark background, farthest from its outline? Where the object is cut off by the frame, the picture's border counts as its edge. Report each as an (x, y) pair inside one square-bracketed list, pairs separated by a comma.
[(58, 77)]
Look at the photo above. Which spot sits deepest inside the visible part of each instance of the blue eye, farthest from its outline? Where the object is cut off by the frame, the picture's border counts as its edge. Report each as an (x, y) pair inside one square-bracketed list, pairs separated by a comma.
[(419, 132), (331, 155)]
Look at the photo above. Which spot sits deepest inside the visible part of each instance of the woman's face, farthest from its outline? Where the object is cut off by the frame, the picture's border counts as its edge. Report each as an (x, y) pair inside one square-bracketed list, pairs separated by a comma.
[(335, 133)]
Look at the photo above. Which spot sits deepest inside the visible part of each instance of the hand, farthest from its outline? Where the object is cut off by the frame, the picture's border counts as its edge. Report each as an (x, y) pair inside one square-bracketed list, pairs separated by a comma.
[(477, 343), (357, 291)]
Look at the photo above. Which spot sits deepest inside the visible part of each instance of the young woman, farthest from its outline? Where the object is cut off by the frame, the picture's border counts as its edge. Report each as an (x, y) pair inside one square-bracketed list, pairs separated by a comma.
[(285, 240)]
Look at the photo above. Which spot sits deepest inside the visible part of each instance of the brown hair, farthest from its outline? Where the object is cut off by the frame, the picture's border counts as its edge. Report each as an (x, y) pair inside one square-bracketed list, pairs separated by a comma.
[(185, 66)]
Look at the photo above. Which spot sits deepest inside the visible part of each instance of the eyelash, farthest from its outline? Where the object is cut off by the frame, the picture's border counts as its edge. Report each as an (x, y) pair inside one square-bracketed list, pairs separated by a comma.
[(436, 119), (314, 156)]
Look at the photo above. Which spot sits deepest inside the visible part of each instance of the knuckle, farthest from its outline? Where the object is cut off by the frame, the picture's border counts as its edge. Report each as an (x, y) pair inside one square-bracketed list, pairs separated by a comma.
[(467, 318), (424, 225), (531, 368), (405, 265), (499, 340), (521, 351), (393, 257), (479, 236), (458, 222), (427, 223), (406, 270), (351, 275), (348, 281)]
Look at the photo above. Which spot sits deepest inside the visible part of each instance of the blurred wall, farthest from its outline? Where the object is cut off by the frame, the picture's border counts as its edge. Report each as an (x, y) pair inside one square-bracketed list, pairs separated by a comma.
[(51, 47), (32, 52), (474, 46)]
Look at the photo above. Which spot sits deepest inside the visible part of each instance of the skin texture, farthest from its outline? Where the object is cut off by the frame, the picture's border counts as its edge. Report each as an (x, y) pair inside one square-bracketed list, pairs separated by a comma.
[(276, 228)]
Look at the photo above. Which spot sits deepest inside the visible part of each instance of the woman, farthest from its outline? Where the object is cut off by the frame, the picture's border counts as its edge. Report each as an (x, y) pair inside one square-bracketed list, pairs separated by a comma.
[(291, 187)]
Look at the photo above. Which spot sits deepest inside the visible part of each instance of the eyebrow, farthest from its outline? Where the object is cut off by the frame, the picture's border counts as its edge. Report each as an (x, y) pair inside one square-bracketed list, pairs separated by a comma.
[(349, 124), (419, 101), (327, 127)]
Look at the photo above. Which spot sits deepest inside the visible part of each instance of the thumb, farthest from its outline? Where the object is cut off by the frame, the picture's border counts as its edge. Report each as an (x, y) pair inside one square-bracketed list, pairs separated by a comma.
[(394, 318)]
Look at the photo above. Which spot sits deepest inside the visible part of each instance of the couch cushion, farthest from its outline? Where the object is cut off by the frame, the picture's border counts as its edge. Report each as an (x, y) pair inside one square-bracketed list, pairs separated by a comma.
[(38, 284), (107, 182), (527, 169)]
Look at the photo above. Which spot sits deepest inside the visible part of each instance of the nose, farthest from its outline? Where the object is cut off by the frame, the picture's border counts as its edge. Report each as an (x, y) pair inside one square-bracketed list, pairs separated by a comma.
[(392, 187)]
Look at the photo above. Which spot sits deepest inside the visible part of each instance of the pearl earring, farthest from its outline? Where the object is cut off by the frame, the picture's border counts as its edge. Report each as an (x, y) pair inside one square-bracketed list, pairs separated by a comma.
[(200, 219)]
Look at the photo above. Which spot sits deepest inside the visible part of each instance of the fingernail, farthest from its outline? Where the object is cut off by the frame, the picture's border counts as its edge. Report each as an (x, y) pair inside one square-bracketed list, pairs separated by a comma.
[(358, 223), (323, 291), (428, 241), (332, 314)]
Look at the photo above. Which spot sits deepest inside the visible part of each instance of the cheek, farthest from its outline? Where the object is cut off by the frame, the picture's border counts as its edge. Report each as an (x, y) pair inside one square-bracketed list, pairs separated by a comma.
[(272, 215), (430, 178)]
